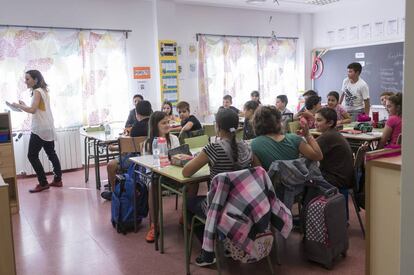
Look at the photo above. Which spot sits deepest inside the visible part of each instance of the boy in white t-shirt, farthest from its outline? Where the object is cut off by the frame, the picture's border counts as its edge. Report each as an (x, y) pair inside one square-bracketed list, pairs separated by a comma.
[(355, 91)]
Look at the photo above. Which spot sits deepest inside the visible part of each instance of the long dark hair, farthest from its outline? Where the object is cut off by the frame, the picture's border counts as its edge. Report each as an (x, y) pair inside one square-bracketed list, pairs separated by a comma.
[(227, 120), (153, 131), (397, 101), (169, 104), (36, 75)]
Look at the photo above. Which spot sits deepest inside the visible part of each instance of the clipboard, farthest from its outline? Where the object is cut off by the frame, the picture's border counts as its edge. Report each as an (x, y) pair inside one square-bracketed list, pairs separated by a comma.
[(12, 107)]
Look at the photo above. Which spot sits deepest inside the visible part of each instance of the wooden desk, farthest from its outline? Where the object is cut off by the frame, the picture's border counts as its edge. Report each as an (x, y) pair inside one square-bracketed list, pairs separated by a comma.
[(356, 140), (98, 139), (383, 216), (7, 261)]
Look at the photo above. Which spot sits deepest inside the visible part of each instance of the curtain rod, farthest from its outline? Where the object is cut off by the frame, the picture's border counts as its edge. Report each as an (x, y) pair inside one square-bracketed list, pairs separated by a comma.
[(67, 28), (245, 36)]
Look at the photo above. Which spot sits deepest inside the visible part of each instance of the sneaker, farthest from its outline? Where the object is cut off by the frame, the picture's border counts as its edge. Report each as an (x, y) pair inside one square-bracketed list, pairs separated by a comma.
[(206, 258), (39, 188), (150, 237), (107, 195), (56, 183)]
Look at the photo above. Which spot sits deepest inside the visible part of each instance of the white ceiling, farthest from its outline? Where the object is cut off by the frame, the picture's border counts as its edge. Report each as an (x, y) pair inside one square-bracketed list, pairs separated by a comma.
[(297, 6)]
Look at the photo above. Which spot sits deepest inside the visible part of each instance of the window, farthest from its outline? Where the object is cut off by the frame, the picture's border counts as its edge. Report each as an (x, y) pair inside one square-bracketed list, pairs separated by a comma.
[(85, 72), (239, 65)]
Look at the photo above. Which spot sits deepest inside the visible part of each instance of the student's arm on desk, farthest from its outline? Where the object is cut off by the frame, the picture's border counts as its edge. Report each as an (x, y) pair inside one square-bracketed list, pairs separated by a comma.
[(195, 164), (386, 135), (187, 127)]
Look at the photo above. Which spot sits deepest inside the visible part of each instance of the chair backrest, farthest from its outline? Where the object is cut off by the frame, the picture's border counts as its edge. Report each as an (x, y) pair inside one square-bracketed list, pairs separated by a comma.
[(239, 133), (130, 144), (190, 134), (196, 142), (210, 130), (360, 155), (399, 139), (286, 119), (293, 127)]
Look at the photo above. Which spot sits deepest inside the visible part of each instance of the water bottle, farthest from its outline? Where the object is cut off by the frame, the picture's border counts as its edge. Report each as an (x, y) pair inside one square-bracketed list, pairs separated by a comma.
[(163, 149), (156, 152)]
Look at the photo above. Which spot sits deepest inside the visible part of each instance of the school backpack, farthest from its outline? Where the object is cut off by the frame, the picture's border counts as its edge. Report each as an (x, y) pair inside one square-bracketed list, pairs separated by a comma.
[(325, 225), (123, 197)]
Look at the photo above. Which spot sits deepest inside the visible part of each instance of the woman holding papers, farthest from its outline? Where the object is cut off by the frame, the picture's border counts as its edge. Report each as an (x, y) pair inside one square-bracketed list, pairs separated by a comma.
[(42, 130)]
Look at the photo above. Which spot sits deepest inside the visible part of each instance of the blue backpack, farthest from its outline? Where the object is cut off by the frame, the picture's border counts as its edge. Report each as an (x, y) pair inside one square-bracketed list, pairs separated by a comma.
[(122, 205)]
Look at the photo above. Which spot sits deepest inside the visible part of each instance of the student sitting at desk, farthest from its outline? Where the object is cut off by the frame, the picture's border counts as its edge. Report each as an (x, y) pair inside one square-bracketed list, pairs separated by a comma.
[(158, 127), (224, 156), (306, 95), (132, 117), (393, 127), (255, 96), (312, 105), (227, 104), (384, 97), (281, 102), (337, 163), (342, 115), (188, 122), (249, 109), (140, 128), (168, 109), (271, 144)]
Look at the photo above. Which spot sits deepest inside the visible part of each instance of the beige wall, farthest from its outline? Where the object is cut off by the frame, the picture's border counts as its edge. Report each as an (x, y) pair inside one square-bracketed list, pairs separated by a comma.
[(407, 190)]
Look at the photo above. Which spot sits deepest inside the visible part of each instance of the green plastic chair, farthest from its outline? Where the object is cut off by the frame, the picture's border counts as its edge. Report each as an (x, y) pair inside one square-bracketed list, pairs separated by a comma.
[(197, 142), (210, 130)]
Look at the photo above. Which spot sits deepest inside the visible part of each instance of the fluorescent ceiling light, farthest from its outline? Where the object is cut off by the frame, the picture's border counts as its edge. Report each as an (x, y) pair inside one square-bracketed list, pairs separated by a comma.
[(255, 1)]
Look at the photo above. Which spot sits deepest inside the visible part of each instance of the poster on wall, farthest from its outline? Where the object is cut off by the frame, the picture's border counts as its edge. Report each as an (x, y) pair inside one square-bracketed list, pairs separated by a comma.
[(169, 70), (142, 72)]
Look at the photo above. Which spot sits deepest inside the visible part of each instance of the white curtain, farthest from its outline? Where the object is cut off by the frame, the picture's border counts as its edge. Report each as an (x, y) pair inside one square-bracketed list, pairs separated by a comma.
[(238, 65), (85, 71)]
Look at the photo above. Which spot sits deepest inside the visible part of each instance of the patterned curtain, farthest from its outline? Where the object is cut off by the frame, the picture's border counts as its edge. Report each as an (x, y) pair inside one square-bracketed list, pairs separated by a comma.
[(238, 65), (85, 71)]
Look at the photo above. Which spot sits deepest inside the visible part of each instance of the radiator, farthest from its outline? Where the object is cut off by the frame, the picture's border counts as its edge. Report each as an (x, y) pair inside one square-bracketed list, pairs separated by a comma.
[(67, 147)]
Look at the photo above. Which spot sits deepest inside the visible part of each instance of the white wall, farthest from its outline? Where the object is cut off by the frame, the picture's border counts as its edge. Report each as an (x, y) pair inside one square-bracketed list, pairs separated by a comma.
[(135, 15), (181, 22), (357, 13)]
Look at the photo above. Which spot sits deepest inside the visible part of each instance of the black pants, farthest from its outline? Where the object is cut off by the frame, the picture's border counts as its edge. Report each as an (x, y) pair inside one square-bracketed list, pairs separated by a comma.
[(35, 145)]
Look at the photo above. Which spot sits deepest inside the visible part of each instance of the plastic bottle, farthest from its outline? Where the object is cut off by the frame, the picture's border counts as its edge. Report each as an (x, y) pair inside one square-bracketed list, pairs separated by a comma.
[(162, 145), (156, 152)]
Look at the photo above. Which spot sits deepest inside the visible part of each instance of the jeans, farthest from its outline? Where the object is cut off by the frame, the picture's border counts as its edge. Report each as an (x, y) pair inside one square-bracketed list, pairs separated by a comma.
[(197, 206), (35, 145)]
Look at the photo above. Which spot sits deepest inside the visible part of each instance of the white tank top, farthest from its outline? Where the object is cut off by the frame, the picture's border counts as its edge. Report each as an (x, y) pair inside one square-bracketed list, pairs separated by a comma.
[(42, 119)]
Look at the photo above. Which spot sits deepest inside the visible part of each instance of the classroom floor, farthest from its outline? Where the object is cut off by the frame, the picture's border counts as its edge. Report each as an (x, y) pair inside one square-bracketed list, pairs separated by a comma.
[(67, 231)]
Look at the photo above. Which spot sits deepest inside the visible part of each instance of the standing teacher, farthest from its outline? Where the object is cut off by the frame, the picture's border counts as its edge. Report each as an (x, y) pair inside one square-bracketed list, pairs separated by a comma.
[(42, 130), (355, 91)]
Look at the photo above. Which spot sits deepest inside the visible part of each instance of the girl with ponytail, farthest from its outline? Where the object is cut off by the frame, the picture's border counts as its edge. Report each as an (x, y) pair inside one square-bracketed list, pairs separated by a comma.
[(227, 155), (393, 127)]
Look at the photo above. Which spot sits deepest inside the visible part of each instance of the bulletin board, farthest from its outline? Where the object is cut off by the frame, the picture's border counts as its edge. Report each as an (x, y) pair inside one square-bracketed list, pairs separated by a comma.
[(168, 71)]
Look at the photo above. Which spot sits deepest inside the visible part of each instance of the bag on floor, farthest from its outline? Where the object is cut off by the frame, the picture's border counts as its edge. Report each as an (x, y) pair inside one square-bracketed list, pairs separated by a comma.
[(325, 225), (122, 204)]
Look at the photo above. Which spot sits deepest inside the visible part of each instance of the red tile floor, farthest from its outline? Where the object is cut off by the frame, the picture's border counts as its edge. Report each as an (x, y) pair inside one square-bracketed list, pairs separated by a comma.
[(67, 231)]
